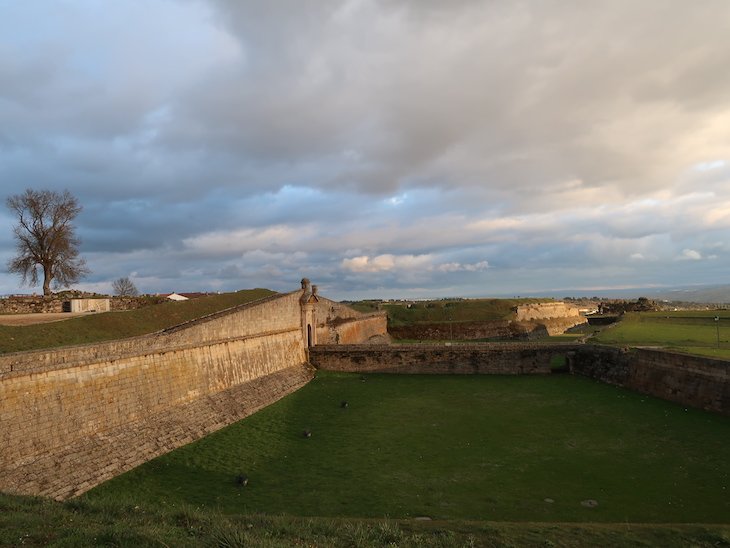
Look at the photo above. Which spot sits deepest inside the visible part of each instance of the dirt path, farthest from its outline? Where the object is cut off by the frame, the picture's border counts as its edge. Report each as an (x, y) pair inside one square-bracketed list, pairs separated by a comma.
[(30, 319)]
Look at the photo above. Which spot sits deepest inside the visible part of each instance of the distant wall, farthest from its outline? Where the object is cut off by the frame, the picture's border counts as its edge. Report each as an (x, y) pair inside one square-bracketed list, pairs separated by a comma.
[(133, 303), (38, 304), (557, 317), (689, 380), (61, 406), (497, 359), (544, 311), (339, 324), (31, 305)]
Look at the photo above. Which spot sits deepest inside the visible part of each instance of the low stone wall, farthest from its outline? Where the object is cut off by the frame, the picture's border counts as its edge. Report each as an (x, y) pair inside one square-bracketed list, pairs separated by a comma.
[(694, 381), (495, 359), (31, 305), (133, 303), (37, 304)]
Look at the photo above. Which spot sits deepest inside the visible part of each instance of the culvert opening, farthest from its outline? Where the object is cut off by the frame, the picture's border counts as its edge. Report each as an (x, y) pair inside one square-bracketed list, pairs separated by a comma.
[(559, 363)]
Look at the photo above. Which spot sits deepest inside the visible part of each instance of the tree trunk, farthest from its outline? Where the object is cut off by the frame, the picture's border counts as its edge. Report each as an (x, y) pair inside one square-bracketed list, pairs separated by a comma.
[(47, 277)]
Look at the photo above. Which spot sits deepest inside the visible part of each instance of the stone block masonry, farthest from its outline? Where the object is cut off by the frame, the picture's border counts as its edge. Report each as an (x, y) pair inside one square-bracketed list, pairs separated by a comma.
[(694, 381), (73, 417), (340, 324), (76, 467), (486, 358)]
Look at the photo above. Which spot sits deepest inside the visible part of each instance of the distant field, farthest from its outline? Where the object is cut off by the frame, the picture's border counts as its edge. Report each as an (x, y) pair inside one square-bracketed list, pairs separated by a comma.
[(688, 331), (441, 311), (117, 325), (526, 449)]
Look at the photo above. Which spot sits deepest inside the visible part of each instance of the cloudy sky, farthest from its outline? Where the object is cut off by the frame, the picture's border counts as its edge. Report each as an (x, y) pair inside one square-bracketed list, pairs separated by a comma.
[(380, 148)]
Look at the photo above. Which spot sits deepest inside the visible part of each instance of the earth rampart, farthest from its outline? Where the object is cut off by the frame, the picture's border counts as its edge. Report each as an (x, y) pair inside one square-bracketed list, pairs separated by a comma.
[(496, 329)]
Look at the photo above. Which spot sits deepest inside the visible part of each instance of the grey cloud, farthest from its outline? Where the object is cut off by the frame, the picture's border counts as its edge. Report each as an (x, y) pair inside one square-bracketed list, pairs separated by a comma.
[(527, 134)]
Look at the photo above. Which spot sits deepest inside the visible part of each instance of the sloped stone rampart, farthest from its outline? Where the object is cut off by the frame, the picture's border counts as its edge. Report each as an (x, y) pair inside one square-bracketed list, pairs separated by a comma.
[(80, 465), (57, 405), (491, 359)]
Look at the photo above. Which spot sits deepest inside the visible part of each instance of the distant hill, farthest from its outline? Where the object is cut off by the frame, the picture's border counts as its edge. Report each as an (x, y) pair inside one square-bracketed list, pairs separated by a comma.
[(702, 294), (710, 294)]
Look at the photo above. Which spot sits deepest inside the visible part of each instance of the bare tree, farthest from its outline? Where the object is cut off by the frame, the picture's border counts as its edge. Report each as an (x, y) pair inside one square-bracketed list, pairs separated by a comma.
[(124, 287), (45, 238)]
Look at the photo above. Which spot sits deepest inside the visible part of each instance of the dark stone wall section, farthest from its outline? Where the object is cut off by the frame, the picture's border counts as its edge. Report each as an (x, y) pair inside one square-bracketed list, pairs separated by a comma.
[(694, 381), (468, 359)]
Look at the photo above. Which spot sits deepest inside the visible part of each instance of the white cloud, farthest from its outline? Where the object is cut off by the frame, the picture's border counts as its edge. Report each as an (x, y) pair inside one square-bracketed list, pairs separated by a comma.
[(388, 143), (689, 255), (459, 267), (386, 262)]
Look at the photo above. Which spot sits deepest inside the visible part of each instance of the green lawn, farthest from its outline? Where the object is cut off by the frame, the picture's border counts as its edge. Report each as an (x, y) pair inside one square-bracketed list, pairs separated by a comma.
[(688, 331), (450, 447), (119, 325), (442, 311)]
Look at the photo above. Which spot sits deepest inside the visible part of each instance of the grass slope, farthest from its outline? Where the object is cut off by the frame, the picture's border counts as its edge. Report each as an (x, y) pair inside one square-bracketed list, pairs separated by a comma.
[(119, 325), (470, 448), (694, 332), (469, 310), (26, 521)]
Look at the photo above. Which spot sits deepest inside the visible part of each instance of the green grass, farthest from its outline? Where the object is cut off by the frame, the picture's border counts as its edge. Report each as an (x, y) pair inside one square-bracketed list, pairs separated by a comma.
[(688, 331), (118, 325), (485, 448), (26, 521), (469, 310)]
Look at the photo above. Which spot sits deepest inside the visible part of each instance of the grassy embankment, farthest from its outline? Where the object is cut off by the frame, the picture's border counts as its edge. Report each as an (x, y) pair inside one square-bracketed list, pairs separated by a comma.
[(694, 332), (28, 521), (509, 449), (469, 310), (444, 312), (117, 325)]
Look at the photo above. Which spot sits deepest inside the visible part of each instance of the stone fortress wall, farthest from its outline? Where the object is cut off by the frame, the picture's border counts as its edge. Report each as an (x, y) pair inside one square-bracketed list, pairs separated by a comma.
[(340, 324), (557, 317), (73, 417), (693, 381), (546, 310)]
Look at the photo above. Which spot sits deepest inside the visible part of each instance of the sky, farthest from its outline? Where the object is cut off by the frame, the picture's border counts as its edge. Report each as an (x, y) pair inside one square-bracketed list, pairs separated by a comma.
[(380, 148)]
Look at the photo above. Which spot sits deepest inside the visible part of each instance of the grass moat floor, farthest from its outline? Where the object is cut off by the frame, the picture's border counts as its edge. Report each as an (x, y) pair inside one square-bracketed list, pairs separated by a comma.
[(486, 448)]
